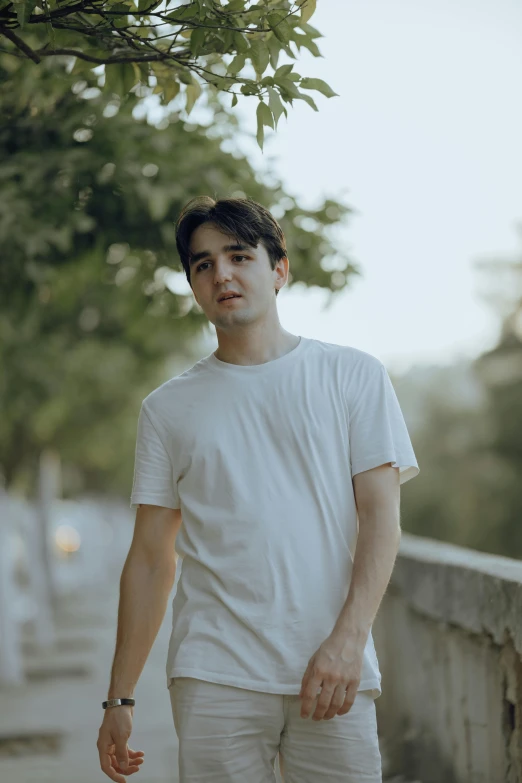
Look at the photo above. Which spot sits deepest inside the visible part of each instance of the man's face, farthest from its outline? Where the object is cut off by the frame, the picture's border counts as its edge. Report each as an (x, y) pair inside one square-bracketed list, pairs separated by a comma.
[(219, 265)]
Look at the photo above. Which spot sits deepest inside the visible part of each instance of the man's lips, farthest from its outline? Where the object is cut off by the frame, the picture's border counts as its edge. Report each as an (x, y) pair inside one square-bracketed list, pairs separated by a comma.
[(229, 298)]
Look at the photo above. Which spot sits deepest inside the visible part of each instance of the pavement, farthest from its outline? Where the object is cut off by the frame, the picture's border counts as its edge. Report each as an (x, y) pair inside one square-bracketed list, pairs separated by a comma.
[(59, 706)]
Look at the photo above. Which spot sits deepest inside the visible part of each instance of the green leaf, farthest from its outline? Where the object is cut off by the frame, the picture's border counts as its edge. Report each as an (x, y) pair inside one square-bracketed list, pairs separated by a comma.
[(309, 100), (218, 81), (311, 31), (264, 114), (283, 70), (122, 20), (235, 5), (286, 48), (30, 5), (319, 85), (237, 64), (282, 30), (120, 78), (274, 50), (260, 135), (228, 39), (307, 10), (171, 89), (276, 107), (141, 71), (193, 92), (143, 5), (259, 55), (310, 45), (185, 76), (234, 99), (197, 40), (240, 42), (289, 87), (24, 9), (128, 77), (248, 89), (184, 13)]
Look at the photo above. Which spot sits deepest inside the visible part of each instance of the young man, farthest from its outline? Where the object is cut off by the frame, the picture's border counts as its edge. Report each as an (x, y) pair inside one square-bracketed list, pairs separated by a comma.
[(265, 464)]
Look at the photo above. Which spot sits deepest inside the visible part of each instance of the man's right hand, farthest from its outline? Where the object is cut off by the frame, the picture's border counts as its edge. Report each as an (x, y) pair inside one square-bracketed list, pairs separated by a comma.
[(116, 758)]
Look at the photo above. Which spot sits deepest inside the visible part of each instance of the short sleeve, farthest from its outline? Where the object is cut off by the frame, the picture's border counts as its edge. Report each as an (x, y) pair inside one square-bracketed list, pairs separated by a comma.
[(377, 430), (153, 481)]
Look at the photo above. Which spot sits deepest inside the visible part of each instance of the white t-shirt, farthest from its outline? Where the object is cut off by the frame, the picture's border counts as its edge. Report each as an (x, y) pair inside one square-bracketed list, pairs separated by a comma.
[(260, 461)]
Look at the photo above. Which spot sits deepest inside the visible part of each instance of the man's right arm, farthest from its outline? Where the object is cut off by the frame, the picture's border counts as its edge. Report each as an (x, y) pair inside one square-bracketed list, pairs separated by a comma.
[(145, 585), (146, 582)]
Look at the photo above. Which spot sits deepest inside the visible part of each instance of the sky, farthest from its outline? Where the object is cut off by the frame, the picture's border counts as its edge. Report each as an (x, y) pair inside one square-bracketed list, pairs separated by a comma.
[(423, 143)]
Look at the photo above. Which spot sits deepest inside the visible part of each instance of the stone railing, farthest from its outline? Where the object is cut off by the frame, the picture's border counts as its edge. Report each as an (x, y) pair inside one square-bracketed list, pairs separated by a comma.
[(449, 640)]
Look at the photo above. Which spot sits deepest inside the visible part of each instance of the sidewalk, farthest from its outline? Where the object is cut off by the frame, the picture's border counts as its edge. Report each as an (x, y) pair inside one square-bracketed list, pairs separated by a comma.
[(63, 695)]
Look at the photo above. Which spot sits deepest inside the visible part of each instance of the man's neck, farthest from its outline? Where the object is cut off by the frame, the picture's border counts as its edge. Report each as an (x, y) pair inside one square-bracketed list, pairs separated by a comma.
[(250, 352)]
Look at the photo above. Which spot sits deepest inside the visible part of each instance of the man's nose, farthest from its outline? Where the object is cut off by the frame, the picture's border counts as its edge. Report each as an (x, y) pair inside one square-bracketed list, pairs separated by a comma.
[(222, 270)]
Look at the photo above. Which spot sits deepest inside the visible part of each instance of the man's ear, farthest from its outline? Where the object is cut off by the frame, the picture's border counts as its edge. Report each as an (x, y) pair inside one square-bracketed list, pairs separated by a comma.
[(288, 267)]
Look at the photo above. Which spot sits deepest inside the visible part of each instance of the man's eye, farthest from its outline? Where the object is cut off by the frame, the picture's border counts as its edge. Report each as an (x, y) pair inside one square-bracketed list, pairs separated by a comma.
[(205, 263)]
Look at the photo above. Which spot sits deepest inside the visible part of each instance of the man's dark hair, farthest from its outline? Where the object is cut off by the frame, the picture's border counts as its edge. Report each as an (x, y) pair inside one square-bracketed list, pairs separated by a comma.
[(242, 218)]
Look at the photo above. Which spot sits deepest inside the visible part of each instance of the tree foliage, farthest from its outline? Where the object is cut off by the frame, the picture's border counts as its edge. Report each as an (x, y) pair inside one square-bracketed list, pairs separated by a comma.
[(168, 48), (93, 298), (469, 451)]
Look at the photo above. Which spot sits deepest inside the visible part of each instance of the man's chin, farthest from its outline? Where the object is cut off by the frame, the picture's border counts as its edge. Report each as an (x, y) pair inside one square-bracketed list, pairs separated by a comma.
[(227, 320)]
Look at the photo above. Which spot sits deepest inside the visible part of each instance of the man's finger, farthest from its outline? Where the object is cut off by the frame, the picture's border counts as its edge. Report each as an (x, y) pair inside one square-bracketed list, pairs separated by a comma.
[(106, 765), (338, 699), (134, 757), (309, 696), (122, 754), (348, 702), (323, 702), (132, 766)]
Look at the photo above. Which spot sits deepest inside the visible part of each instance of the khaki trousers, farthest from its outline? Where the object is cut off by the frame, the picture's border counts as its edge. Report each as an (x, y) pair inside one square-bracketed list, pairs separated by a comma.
[(233, 735)]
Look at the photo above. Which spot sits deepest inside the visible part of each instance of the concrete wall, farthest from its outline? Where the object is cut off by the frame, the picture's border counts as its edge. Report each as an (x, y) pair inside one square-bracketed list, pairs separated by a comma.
[(449, 641)]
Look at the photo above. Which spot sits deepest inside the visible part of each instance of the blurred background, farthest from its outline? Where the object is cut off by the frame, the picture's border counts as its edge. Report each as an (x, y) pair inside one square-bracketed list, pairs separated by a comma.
[(401, 202)]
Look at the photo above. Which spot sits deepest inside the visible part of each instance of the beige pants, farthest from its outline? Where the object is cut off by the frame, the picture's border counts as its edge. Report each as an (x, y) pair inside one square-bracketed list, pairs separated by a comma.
[(233, 735)]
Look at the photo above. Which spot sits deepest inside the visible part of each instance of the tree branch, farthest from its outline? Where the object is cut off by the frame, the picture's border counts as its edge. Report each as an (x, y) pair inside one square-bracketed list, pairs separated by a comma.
[(20, 44), (100, 60)]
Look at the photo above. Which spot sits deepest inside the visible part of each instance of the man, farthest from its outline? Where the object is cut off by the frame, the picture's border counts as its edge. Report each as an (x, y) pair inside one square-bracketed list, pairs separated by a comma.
[(265, 464)]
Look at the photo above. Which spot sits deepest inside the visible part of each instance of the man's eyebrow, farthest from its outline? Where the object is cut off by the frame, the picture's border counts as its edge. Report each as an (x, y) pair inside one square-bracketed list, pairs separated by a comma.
[(205, 253)]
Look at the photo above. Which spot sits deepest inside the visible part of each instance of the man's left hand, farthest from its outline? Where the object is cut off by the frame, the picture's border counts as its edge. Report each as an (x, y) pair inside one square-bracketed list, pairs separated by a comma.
[(336, 666)]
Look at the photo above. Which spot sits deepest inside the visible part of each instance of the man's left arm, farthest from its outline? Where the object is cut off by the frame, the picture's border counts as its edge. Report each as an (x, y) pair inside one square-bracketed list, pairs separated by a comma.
[(337, 664)]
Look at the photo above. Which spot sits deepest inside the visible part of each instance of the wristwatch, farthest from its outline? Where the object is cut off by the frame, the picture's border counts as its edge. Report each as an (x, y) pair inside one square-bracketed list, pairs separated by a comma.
[(117, 702)]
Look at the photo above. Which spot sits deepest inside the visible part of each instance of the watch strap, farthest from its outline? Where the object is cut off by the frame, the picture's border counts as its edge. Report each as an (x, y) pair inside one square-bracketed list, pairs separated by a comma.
[(117, 703)]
